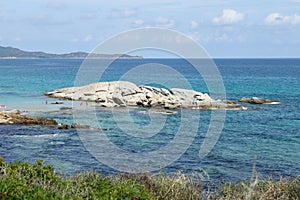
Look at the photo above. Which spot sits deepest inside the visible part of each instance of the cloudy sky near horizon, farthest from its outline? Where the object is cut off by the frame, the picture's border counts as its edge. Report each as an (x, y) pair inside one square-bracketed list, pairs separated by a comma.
[(225, 28)]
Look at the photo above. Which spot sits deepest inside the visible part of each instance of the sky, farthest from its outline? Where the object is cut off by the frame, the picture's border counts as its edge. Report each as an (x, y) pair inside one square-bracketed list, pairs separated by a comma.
[(224, 28)]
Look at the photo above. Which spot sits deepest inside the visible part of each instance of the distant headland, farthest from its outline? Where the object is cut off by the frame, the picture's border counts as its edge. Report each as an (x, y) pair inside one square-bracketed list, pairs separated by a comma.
[(11, 52)]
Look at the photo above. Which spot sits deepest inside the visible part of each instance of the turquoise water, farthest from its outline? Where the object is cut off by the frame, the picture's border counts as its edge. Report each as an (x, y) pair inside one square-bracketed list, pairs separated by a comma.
[(269, 131)]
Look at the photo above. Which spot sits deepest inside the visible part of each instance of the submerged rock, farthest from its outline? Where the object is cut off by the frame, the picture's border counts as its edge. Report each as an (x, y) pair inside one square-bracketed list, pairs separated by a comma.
[(73, 126), (57, 102), (79, 126), (64, 126), (256, 100), (65, 108), (123, 93)]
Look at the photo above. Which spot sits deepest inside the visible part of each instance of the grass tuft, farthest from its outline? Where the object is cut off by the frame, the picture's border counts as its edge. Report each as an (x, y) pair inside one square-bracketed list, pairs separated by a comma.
[(285, 189), (178, 186)]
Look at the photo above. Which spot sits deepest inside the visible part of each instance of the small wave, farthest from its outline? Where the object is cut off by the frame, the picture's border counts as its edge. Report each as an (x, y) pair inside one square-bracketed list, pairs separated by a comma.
[(7, 86), (36, 136), (31, 95), (273, 102), (168, 112), (56, 143), (163, 112), (242, 108), (10, 93)]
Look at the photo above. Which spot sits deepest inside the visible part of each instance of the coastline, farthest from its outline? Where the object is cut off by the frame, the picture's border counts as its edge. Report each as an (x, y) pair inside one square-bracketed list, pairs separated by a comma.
[(259, 130)]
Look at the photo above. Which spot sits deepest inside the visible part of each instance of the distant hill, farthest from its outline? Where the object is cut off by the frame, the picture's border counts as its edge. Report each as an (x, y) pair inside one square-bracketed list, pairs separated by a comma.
[(11, 52)]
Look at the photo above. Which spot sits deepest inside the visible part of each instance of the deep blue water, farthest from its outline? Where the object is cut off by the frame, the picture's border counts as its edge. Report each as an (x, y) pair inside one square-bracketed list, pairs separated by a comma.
[(269, 131)]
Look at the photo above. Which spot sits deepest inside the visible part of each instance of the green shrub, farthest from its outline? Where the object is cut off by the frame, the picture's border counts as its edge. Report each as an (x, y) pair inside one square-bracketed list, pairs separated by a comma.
[(37, 181)]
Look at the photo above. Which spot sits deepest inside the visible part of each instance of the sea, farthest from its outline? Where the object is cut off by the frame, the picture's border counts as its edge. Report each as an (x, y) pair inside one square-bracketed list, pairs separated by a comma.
[(261, 137)]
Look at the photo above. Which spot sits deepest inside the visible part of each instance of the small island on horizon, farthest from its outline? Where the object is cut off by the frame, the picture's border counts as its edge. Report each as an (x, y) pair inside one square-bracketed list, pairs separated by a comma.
[(12, 52)]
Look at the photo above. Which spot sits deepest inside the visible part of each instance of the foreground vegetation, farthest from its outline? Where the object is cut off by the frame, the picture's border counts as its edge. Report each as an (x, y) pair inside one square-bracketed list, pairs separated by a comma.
[(37, 181)]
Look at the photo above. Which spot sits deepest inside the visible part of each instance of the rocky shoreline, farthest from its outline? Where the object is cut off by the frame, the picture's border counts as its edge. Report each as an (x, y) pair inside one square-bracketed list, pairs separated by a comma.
[(15, 117), (123, 93)]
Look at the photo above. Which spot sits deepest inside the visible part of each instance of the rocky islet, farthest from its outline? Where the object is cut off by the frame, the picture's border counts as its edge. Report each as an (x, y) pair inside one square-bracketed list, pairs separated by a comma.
[(123, 93)]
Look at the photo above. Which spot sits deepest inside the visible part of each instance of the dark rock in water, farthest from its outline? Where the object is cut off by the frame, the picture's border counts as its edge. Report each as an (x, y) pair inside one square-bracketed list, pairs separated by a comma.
[(57, 102), (256, 100), (33, 120), (78, 126), (64, 126), (65, 108), (73, 126)]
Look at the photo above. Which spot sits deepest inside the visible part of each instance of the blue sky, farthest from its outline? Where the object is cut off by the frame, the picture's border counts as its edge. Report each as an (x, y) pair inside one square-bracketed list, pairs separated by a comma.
[(225, 28)]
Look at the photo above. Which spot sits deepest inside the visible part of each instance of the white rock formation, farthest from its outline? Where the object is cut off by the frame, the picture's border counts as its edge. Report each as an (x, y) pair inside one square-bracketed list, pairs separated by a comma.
[(123, 93)]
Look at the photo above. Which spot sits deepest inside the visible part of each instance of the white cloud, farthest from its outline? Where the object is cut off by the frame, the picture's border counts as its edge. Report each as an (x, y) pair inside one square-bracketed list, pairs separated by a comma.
[(17, 39), (194, 36), (138, 23), (43, 20), (89, 15), (74, 40), (278, 19), (164, 22), (194, 24), (223, 38), (229, 16), (55, 5), (116, 13), (88, 38)]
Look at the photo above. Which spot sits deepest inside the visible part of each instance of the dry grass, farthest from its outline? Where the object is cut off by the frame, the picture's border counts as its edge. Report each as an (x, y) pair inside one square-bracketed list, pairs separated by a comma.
[(178, 186), (283, 189)]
